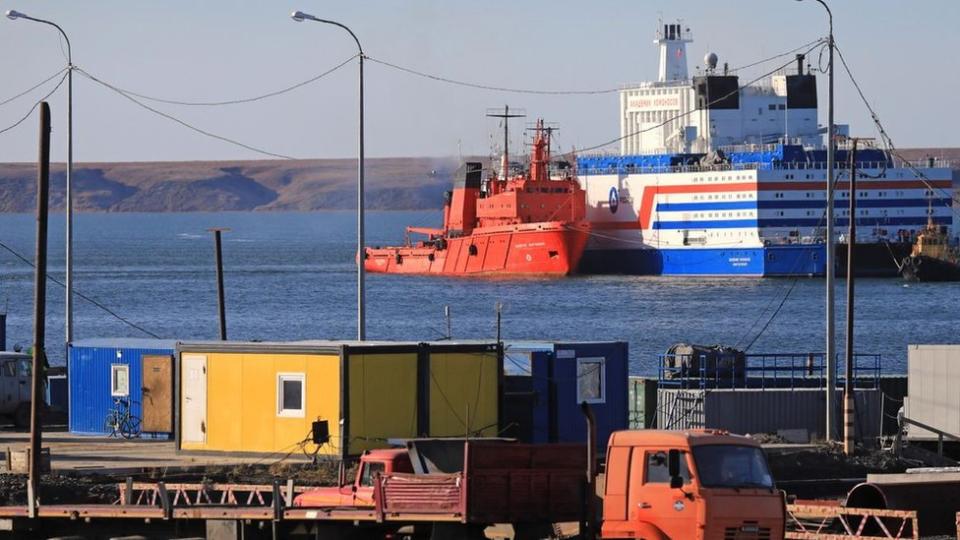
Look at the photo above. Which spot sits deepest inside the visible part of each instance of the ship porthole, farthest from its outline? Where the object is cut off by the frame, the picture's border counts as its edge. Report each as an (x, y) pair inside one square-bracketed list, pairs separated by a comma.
[(473, 249)]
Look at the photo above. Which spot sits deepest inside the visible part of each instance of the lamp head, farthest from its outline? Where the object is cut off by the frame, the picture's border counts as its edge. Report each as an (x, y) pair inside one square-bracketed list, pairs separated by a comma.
[(298, 16), (13, 14)]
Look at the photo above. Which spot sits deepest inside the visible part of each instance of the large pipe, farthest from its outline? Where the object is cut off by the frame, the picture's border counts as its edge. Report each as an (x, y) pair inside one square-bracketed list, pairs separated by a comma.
[(936, 503)]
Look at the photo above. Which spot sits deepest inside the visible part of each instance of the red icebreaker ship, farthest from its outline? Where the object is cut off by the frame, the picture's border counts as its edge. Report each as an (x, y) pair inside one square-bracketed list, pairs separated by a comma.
[(530, 224)]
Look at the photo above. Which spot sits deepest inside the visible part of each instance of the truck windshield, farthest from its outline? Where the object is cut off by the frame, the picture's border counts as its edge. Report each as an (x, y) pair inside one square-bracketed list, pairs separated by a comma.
[(732, 466)]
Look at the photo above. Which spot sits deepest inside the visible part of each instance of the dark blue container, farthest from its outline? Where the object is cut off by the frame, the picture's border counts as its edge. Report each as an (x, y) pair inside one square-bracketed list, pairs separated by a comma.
[(90, 370), (565, 374)]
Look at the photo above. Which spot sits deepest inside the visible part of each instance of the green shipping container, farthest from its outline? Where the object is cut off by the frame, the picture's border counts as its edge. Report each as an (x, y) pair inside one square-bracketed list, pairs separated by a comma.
[(642, 403)]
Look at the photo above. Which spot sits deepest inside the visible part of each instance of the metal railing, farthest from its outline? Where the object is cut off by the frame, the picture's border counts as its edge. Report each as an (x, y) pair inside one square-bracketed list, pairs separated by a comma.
[(762, 371), (941, 435), (810, 521)]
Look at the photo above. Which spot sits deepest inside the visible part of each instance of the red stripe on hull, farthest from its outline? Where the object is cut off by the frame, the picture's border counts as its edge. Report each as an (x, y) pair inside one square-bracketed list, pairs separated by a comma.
[(534, 249)]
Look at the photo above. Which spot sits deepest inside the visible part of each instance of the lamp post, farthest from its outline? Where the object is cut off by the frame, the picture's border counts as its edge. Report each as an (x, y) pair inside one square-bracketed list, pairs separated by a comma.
[(831, 330), (300, 16), (68, 321)]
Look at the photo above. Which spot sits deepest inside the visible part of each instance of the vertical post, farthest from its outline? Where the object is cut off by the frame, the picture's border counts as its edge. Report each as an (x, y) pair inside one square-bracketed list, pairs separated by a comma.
[(446, 315), (68, 300), (830, 258), (3, 331), (361, 251), (221, 305), (848, 403), (39, 310)]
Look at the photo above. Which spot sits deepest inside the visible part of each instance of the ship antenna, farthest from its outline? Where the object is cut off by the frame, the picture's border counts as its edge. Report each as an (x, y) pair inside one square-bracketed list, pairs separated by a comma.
[(505, 115)]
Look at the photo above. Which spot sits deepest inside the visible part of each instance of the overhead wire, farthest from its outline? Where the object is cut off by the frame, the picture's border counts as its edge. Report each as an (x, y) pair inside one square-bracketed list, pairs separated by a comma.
[(109, 311), (35, 105), (32, 88), (781, 55), (181, 122), (493, 88), (240, 100), (691, 111), (887, 140)]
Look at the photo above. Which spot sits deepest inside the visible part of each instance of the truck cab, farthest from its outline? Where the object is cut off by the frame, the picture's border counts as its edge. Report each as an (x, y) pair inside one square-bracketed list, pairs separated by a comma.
[(360, 492), (696, 484), (15, 385)]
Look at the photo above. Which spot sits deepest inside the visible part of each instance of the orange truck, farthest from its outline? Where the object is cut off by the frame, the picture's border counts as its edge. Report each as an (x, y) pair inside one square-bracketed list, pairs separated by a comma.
[(657, 485), (701, 484)]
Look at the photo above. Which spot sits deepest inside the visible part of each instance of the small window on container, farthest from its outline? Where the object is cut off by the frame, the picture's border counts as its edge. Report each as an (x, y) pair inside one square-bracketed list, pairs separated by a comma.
[(290, 395), (119, 380), (590, 377)]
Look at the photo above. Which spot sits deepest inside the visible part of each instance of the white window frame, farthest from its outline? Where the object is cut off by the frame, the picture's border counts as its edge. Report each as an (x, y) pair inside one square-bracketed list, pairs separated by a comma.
[(292, 413), (115, 391), (603, 378)]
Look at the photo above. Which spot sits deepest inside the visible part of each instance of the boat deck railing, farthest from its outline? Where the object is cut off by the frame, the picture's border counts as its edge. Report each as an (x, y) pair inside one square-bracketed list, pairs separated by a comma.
[(763, 371), (865, 166)]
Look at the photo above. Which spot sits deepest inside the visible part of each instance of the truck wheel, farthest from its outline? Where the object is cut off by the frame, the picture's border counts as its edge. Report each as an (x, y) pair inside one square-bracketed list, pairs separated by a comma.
[(21, 416), (457, 531)]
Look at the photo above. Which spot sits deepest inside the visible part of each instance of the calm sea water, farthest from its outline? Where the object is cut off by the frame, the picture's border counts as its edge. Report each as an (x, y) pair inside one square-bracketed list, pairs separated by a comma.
[(290, 276)]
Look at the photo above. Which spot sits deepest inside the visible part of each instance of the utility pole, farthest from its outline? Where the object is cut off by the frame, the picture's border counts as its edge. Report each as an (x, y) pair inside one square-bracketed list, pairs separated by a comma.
[(831, 360), (848, 402), (221, 306), (39, 311)]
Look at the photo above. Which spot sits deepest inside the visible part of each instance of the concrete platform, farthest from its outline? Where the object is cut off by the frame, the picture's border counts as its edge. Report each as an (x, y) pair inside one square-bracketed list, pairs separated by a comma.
[(105, 455)]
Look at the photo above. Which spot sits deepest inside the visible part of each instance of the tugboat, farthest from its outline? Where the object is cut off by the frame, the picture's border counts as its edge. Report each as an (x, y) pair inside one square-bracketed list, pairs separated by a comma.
[(528, 224), (932, 258)]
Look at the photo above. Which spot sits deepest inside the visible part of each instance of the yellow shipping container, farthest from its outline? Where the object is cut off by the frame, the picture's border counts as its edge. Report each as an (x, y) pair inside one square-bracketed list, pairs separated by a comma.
[(264, 397)]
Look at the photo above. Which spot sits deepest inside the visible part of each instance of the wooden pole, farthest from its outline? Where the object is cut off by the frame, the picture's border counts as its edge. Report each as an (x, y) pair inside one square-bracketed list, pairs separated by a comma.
[(39, 311), (849, 418), (221, 306)]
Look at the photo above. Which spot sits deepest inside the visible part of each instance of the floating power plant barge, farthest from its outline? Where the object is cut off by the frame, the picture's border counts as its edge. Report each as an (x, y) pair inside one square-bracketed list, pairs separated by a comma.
[(717, 179)]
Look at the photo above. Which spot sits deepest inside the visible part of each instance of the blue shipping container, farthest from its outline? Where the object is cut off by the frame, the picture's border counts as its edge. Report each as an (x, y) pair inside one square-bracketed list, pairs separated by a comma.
[(566, 374), (90, 369)]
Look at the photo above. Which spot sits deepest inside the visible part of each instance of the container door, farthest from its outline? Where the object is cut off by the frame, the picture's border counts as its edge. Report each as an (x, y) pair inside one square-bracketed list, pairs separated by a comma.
[(157, 393), (194, 405)]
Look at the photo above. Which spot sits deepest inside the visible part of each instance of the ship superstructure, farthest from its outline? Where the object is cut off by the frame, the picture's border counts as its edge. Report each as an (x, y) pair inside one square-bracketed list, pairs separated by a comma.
[(715, 178)]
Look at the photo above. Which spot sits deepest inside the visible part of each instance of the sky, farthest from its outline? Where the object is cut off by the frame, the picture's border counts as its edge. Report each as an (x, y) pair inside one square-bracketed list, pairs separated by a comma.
[(902, 53)]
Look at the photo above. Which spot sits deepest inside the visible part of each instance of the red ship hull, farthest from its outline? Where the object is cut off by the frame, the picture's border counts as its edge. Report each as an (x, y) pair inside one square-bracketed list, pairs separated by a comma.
[(549, 248)]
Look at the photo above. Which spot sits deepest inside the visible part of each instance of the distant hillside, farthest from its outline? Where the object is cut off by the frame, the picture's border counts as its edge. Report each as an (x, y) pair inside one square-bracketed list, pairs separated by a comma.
[(391, 184), (192, 186)]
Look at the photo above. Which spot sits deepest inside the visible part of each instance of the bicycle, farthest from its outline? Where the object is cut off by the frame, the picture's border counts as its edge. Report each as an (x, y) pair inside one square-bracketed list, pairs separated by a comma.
[(120, 422)]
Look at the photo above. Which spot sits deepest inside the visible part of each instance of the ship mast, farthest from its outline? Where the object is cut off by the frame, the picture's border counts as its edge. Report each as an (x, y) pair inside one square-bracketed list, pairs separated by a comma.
[(505, 116)]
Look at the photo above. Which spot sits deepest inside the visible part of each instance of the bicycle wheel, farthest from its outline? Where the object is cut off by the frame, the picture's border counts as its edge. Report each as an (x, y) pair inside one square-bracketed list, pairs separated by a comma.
[(110, 424), (130, 427)]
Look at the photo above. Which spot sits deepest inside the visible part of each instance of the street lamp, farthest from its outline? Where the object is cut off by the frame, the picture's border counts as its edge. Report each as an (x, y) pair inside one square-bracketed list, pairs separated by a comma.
[(831, 331), (300, 16), (68, 324)]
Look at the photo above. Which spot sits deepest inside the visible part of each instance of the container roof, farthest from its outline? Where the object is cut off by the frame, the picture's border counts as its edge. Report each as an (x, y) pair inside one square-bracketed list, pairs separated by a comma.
[(318, 346), (126, 343)]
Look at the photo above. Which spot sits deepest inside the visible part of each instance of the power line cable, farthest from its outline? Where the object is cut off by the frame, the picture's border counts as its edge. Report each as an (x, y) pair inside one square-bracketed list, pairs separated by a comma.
[(691, 111), (781, 55), (887, 140), (495, 88), (32, 88), (35, 105), (181, 122), (109, 311), (240, 100)]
